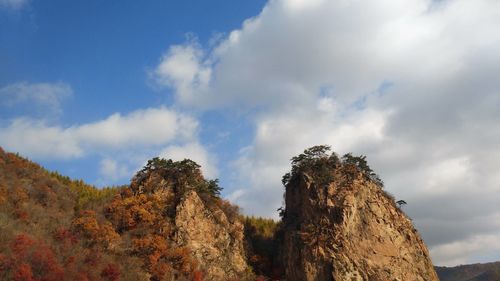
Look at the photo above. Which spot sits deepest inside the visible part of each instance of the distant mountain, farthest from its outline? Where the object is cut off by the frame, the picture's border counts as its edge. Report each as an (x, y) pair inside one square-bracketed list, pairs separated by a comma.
[(470, 272)]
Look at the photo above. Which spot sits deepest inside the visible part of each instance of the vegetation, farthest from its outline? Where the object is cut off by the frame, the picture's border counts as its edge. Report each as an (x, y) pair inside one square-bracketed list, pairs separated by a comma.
[(471, 272), (318, 162), (88, 196), (178, 175), (360, 163), (263, 237), (314, 161), (56, 228), (43, 237), (401, 203)]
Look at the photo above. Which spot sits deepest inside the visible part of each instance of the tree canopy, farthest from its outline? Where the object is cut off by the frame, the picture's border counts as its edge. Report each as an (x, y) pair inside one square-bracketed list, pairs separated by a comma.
[(315, 160), (179, 175), (361, 163), (320, 163)]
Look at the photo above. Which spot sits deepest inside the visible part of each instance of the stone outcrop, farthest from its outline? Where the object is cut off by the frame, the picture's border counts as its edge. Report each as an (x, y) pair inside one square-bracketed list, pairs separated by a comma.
[(348, 228), (214, 240), (196, 219)]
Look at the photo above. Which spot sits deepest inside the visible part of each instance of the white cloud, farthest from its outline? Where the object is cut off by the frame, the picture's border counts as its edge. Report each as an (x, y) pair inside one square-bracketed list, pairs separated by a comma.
[(13, 4), (412, 84), (121, 141), (182, 69), (45, 97), (112, 171), (281, 57), (152, 126), (279, 136), (37, 139), (195, 152), (458, 252), (300, 5), (142, 128)]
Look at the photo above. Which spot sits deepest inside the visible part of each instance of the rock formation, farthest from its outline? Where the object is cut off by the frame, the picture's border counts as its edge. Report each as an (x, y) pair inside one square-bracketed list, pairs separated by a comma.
[(340, 225), (215, 241), (171, 224), (178, 208)]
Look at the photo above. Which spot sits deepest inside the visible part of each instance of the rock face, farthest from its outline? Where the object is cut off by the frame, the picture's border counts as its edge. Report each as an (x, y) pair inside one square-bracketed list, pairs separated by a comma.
[(348, 228), (215, 241), (193, 219)]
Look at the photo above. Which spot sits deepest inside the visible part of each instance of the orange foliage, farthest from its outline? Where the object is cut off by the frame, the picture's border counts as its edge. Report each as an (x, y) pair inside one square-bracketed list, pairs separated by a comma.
[(84, 246), (31, 260), (44, 263), (4, 263), (94, 232), (93, 258), (130, 212), (159, 259), (197, 276), (19, 196), (21, 214), (65, 236), (63, 246), (23, 273), (3, 192), (111, 272), (21, 244)]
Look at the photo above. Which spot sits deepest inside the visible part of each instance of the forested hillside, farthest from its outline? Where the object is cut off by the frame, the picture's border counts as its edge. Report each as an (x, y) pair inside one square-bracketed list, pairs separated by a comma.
[(55, 228), (170, 223)]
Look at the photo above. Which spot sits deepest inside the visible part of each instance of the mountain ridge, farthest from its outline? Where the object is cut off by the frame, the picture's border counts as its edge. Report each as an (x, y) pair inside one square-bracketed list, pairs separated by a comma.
[(170, 223), (470, 272)]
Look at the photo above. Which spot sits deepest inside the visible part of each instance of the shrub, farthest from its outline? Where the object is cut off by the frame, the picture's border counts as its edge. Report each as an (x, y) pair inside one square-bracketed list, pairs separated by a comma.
[(181, 176), (111, 272), (314, 161)]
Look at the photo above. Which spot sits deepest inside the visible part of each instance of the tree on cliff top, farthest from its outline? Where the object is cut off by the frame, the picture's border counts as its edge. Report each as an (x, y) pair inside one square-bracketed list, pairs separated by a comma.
[(319, 163), (362, 165), (179, 175)]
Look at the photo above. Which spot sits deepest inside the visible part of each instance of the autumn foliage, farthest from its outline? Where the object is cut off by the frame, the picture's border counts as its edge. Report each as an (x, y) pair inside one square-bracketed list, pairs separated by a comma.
[(30, 260), (44, 236), (55, 228), (263, 238), (146, 218)]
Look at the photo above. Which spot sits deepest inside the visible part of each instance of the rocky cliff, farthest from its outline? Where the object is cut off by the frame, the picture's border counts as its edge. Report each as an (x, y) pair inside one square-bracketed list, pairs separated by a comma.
[(196, 218), (214, 240), (340, 225), (170, 223)]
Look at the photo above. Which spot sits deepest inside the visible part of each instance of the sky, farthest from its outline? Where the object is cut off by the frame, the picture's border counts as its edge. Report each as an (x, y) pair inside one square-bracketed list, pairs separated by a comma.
[(93, 89)]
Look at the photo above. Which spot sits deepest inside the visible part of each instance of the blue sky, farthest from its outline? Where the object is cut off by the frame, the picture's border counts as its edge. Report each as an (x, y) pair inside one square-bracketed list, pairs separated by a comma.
[(95, 88), (103, 51)]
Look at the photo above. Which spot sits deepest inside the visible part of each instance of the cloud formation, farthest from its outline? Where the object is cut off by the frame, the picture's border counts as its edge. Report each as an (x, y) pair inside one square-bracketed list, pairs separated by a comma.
[(181, 68), (13, 4), (411, 84), (41, 98), (145, 127), (123, 142), (111, 170)]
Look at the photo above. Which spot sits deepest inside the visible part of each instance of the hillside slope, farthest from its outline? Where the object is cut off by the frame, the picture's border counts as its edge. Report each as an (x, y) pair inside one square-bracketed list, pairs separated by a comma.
[(40, 215), (169, 224), (471, 272)]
